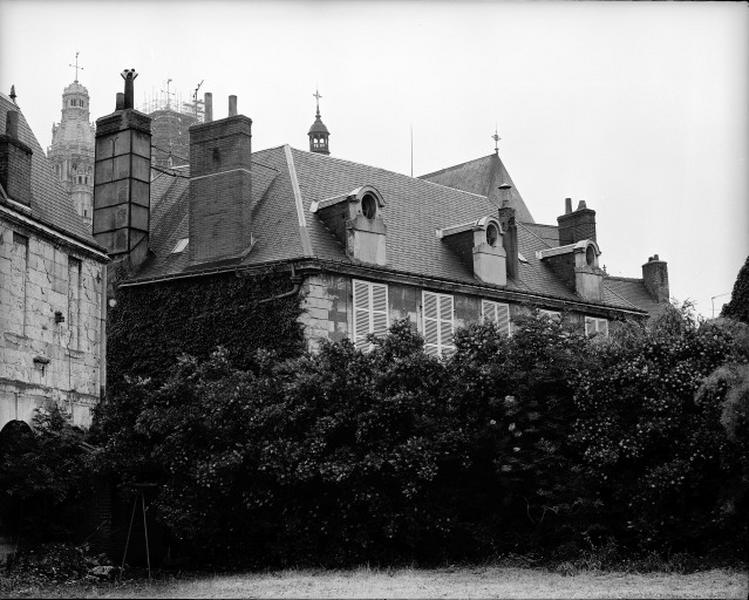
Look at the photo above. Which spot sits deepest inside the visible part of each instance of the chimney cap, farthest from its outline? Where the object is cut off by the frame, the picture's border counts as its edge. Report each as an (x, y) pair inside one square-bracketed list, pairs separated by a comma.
[(581, 205)]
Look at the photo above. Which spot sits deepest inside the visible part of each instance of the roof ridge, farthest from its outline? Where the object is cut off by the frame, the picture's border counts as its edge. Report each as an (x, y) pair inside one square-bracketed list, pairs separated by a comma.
[(623, 278), (298, 201), (396, 173), (452, 167)]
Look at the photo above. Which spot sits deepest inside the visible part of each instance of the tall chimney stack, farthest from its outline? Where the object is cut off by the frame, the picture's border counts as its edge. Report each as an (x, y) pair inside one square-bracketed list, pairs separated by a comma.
[(220, 187), (122, 176), (576, 225), (15, 162), (655, 278), (509, 231)]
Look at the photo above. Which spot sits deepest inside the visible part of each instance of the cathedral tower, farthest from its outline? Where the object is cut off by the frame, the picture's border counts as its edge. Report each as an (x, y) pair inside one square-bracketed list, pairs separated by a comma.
[(72, 149), (318, 133)]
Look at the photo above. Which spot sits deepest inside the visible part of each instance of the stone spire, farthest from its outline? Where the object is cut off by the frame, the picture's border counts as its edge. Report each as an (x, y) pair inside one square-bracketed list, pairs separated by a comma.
[(72, 149), (318, 133)]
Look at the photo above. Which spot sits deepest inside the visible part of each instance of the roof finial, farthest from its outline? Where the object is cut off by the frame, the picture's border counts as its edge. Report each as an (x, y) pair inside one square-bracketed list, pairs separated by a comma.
[(76, 66), (496, 139), (317, 97), (13, 93)]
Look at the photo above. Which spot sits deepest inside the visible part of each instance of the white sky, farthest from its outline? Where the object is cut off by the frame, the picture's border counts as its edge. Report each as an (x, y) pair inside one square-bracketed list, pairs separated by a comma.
[(641, 109)]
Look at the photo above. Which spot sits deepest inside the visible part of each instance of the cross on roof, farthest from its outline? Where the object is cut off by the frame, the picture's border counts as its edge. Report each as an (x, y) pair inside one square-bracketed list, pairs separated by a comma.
[(496, 139), (76, 66), (317, 97)]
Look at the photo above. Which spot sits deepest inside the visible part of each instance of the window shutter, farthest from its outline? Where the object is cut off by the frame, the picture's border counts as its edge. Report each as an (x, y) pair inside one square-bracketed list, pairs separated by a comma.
[(437, 317), (361, 313), (488, 311), (496, 312), (370, 311), (431, 323), (379, 309), (603, 327), (446, 323)]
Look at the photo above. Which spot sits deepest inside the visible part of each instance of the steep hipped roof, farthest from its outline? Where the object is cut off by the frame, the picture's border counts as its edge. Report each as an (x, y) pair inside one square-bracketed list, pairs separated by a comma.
[(286, 181), (50, 204), (482, 176)]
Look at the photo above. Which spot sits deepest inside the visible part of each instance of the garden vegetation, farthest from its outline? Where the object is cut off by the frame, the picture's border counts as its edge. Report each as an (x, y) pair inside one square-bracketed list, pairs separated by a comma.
[(545, 442)]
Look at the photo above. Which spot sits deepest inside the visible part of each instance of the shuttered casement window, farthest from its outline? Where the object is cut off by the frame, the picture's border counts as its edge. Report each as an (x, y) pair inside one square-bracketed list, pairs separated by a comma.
[(370, 311), (595, 326), (438, 323), (498, 313)]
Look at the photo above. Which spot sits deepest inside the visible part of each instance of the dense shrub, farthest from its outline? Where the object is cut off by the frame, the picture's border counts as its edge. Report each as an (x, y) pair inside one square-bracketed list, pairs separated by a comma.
[(544, 441), (44, 478)]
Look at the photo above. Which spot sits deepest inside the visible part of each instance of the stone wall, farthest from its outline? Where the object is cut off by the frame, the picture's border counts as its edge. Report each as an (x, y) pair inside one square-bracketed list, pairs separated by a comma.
[(51, 298), (327, 310)]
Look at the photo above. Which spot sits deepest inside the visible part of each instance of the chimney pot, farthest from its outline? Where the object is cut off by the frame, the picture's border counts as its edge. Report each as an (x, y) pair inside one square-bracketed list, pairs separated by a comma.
[(232, 106), (11, 124), (120, 101), (567, 205), (504, 194), (129, 76), (581, 205), (208, 106)]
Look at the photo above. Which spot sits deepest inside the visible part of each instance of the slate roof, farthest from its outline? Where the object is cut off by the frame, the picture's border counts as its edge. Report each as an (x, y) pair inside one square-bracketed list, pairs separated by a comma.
[(414, 209), (483, 176), (50, 204)]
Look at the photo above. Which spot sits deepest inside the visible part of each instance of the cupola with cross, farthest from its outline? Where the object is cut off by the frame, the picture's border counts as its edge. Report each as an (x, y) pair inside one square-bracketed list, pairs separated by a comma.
[(72, 150), (318, 133)]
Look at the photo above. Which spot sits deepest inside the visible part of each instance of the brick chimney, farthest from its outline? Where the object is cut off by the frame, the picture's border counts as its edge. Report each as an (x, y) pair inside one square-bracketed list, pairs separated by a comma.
[(220, 187), (122, 175), (576, 225), (655, 278), (509, 231), (15, 162)]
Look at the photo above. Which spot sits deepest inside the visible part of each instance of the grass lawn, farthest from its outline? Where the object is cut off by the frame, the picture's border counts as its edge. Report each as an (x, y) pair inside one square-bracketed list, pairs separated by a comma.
[(479, 582)]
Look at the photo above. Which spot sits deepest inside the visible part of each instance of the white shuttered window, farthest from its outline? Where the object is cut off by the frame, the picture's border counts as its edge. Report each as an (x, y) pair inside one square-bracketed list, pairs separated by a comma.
[(438, 323), (596, 326), (370, 311), (498, 313)]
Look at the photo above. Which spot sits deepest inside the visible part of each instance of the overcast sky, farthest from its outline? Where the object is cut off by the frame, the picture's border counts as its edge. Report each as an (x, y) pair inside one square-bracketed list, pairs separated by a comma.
[(641, 109)]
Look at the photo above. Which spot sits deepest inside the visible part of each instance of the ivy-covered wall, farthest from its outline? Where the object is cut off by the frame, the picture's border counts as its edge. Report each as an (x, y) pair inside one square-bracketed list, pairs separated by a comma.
[(151, 325)]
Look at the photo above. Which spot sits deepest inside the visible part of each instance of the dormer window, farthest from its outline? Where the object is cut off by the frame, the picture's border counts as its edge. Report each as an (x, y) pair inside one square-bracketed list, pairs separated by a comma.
[(590, 256), (478, 244), (369, 206), (355, 219), (492, 234)]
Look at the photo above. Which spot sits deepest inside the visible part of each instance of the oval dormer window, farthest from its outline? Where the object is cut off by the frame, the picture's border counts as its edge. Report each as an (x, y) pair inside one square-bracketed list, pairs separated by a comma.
[(369, 206), (590, 256), (492, 234)]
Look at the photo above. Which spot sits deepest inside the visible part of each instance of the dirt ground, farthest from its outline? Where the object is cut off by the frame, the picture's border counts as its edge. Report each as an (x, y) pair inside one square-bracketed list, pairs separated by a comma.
[(480, 582)]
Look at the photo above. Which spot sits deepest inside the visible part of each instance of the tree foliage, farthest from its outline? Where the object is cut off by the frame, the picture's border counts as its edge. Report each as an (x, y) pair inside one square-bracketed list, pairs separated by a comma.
[(510, 444), (738, 307)]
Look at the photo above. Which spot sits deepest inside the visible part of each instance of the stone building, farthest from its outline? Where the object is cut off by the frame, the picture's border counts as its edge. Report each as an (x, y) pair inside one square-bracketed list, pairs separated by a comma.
[(72, 150), (361, 245), (52, 282)]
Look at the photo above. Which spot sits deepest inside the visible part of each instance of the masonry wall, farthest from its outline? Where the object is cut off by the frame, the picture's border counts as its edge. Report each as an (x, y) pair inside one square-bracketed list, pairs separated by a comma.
[(327, 308), (48, 358)]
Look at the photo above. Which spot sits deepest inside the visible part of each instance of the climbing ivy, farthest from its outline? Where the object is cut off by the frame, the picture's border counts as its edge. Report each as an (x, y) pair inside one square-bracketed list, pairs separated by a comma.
[(151, 325)]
